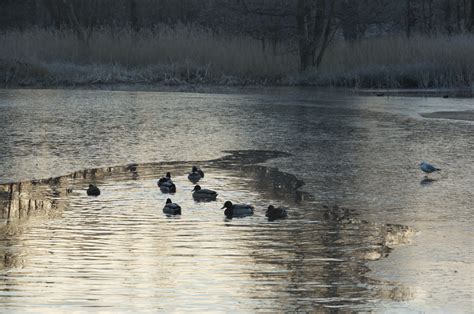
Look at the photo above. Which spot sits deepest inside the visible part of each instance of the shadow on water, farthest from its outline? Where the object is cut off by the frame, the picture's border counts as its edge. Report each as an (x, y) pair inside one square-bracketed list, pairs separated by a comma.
[(315, 259), (427, 181)]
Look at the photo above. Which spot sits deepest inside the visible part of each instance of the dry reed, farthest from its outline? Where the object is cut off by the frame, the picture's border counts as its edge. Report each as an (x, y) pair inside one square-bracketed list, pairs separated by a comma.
[(184, 54)]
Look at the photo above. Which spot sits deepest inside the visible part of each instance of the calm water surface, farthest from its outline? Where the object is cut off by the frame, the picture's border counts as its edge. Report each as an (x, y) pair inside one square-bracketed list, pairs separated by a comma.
[(118, 252)]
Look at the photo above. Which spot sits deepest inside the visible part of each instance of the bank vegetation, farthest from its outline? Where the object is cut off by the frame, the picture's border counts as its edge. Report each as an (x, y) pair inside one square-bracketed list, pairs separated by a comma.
[(359, 43)]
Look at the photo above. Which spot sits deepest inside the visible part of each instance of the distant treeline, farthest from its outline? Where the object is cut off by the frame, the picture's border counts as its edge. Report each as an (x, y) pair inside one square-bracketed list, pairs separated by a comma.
[(310, 24), (269, 18)]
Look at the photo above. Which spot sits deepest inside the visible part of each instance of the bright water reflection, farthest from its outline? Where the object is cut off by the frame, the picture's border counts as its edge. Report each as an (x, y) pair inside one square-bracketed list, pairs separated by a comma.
[(96, 252), (357, 152)]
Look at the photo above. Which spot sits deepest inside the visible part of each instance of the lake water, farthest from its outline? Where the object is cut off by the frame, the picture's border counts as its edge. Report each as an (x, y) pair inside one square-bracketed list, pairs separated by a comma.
[(366, 232)]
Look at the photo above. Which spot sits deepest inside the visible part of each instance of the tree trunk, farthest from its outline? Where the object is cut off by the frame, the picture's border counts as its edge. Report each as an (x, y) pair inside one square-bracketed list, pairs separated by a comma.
[(466, 14), (408, 18), (274, 46), (350, 20), (327, 33), (53, 9), (458, 16), (447, 10), (314, 20), (319, 19), (471, 18), (134, 16), (303, 34), (306, 57), (423, 15), (430, 15), (63, 15), (74, 22)]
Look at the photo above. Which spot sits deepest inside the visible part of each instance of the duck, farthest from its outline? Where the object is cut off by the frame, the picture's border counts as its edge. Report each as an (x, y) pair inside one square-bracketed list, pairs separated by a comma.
[(168, 187), (274, 213), (237, 210), (171, 208), (166, 184), (195, 175), (93, 190), (166, 178), (200, 194)]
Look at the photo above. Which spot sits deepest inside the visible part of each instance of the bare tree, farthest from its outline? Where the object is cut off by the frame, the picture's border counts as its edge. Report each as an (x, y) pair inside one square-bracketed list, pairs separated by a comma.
[(469, 15), (314, 26), (356, 17), (427, 15), (64, 16), (133, 15), (308, 24)]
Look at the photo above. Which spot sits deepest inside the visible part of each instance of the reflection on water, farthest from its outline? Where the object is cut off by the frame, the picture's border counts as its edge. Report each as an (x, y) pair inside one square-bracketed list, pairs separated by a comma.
[(359, 153), (93, 252), (22, 199), (427, 181)]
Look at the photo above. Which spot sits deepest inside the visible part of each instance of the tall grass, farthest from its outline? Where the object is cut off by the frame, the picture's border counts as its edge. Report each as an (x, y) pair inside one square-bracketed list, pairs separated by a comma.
[(184, 54), (395, 61), (181, 46)]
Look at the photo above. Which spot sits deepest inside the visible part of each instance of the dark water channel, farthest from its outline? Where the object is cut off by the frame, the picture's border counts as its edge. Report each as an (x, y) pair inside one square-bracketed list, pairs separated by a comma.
[(365, 232)]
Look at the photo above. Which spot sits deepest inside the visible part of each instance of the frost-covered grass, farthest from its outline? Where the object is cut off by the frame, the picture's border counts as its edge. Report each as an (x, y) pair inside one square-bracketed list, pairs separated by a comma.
[(174, 49), (398, 62), (190, 55)]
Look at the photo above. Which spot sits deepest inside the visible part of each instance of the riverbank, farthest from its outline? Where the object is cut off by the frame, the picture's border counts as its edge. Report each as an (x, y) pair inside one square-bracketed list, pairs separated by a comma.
[(18, 74), (251, 89), (183, 58)]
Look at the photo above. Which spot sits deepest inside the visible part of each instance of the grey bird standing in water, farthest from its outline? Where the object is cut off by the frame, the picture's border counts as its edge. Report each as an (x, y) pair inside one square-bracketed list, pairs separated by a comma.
[(427, 168)]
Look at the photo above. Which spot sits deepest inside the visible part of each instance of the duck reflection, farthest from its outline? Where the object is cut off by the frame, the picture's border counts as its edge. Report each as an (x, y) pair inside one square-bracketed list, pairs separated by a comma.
[(313, 260), (321, 254), (274, 184), (322, 259), (11, 254)]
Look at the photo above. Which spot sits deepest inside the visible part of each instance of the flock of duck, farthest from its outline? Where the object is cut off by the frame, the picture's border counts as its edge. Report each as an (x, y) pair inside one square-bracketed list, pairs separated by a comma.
[(167, 185)]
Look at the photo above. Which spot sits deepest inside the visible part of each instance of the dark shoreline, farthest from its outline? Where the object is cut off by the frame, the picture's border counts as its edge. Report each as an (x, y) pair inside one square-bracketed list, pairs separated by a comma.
[(252, 88)]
